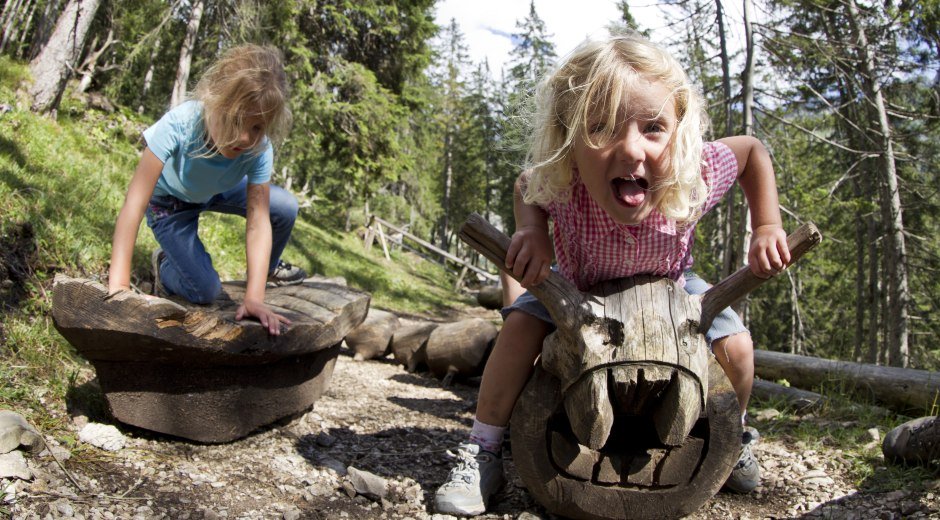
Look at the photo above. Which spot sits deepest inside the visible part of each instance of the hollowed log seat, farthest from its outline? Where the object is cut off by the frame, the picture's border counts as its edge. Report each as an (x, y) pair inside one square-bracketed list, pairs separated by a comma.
[(193, 371)]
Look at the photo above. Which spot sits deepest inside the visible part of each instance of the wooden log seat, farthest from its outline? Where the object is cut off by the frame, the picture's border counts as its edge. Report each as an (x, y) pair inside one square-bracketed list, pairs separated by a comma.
[(193, 371), (634, 475), (628, 415)]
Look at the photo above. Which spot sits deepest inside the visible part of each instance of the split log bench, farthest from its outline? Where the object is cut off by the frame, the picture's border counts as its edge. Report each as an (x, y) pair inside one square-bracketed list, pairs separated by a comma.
[(193, 371), (627, 414)]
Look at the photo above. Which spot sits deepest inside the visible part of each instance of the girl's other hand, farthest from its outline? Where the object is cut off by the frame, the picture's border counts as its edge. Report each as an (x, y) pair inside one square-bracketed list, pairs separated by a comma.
[(268, 318), (769, 253), (529, 257)]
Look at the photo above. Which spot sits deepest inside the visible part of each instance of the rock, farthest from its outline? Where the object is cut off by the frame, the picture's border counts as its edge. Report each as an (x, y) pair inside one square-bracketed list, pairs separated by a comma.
[(292, 514), (874, 434), (16, 432), (368, 484), (330, 463), (104, 436), (324, 440), (13, 465), (767, 415)]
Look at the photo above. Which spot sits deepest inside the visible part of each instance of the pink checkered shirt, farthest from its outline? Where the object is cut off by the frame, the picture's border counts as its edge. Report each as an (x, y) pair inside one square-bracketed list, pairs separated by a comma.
[(590, 247)]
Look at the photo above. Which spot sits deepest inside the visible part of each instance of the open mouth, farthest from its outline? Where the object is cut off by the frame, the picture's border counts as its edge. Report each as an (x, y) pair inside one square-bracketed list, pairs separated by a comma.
[(630, 191)]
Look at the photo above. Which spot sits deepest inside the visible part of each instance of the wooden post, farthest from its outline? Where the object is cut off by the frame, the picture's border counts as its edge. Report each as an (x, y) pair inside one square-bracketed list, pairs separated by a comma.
[(378, 227)]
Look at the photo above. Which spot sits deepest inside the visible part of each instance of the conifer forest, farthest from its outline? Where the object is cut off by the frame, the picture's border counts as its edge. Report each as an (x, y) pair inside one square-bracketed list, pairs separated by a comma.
[(391, 118)]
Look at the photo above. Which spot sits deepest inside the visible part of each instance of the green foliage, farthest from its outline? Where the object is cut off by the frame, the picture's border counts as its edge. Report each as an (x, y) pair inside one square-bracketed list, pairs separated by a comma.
[(67, 179)]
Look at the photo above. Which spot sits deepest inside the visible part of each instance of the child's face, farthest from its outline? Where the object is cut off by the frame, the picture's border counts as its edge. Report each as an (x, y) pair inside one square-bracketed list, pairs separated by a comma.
[(252, 130), (622, 174)]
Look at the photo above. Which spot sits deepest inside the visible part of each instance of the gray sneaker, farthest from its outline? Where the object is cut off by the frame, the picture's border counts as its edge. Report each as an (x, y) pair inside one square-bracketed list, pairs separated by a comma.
[(155, 260), (477, 476), (286, 274), (746, 473)]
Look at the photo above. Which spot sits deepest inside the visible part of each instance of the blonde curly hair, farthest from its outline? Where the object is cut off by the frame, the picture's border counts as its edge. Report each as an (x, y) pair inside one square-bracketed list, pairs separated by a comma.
[(246, 81), (598, 77)]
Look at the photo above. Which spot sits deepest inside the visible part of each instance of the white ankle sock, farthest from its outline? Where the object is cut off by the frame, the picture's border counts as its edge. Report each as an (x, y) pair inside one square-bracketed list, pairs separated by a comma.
[(489, 437)]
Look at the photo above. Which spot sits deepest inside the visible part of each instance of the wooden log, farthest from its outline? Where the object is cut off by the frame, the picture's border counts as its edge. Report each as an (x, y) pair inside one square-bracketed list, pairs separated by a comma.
[(193, 371), (904, 390), (410, 342), (915, 442), (799, 400), (490, 297), (373, 337), (460, 348)]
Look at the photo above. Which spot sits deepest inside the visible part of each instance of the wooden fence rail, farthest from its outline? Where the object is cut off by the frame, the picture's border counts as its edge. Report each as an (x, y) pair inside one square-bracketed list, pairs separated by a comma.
[(374, 228)]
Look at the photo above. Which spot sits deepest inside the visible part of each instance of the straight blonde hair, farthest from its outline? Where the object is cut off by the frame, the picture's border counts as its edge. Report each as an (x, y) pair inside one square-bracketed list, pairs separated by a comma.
[(246, 81), (598, 77)]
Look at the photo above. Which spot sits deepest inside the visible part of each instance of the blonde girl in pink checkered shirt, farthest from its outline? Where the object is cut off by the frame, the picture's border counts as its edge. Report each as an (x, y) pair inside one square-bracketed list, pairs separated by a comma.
[(618, 163)]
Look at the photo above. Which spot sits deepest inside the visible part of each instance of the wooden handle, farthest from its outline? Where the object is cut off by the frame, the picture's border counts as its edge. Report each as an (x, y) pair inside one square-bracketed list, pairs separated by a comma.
[(728, 291), (558, 295)]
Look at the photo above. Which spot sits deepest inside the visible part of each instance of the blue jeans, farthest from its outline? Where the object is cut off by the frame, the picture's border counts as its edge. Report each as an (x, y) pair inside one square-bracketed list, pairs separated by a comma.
[(726, 323), (186, 269)]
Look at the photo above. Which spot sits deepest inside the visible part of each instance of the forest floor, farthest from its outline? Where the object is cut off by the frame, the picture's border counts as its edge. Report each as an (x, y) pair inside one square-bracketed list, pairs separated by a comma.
[(398, 426)]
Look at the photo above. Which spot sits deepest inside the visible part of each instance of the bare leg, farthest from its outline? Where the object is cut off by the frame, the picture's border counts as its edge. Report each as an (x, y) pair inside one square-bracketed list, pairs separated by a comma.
[(509, 366), (735, 354), (511, 288)]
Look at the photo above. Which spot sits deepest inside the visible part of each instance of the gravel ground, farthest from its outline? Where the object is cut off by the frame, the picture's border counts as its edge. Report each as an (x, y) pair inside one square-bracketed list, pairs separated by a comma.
[(396, 427)]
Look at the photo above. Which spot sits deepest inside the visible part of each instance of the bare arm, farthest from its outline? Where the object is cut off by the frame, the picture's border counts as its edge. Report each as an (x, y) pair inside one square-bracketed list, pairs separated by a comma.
[(258, 252), (530, 252), (128, 220), (769, 253)]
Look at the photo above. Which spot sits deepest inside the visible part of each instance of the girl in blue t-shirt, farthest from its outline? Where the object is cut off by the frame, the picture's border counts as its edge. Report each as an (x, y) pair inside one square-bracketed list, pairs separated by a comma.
[(214, 153)]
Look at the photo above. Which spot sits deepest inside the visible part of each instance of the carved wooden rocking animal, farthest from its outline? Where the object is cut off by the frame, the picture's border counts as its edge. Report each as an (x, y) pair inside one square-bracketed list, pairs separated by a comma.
[(627, 414)]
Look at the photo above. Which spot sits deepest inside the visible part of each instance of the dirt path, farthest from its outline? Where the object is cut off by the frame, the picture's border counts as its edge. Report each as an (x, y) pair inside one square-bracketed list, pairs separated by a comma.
[(378, 418)]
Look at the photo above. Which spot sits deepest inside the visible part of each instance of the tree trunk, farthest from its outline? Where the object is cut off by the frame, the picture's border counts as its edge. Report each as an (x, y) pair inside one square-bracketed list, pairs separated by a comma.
[(186, 53), (11, 11), (51, 69), (895, 250), (904, 390), (148, 77), (725, 68), (874, 300)]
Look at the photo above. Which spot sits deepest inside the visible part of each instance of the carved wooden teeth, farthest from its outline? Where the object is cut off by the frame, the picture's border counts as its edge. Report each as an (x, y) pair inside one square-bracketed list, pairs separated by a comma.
[(590, 413), (670, 396)]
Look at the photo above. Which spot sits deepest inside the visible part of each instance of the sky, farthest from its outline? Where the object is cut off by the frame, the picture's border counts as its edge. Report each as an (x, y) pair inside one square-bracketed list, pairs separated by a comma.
[(488, 24)]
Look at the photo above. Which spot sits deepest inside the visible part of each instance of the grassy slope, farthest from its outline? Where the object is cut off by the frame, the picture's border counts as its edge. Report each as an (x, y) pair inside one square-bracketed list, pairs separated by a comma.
[(67, 178)]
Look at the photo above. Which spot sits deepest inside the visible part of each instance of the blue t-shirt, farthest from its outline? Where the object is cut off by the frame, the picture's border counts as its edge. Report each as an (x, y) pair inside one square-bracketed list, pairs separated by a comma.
[(177, 140)]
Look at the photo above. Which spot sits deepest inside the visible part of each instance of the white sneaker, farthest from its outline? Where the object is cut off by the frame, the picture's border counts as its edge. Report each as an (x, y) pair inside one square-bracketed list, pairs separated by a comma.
[(746, 473), (477, 476)]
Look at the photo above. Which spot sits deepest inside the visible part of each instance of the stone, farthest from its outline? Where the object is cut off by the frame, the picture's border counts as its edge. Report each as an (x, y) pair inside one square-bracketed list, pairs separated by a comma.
[(13, 465), (16, 432), (367, 484), (104, 436)]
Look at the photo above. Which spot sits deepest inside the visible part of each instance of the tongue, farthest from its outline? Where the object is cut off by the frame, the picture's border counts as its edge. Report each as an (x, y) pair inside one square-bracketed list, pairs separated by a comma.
[(630, 193)]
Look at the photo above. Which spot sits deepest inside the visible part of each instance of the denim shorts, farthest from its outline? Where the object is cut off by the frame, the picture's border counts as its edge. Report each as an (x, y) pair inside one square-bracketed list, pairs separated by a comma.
[(725, 324)]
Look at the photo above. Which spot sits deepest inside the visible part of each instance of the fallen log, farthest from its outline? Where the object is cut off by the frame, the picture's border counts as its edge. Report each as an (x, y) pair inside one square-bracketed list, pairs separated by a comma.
[(194, 371), (409, 344), (490, 297), (372, 339), (799, 400), (460, 348), (904, 390), (914, 442)]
